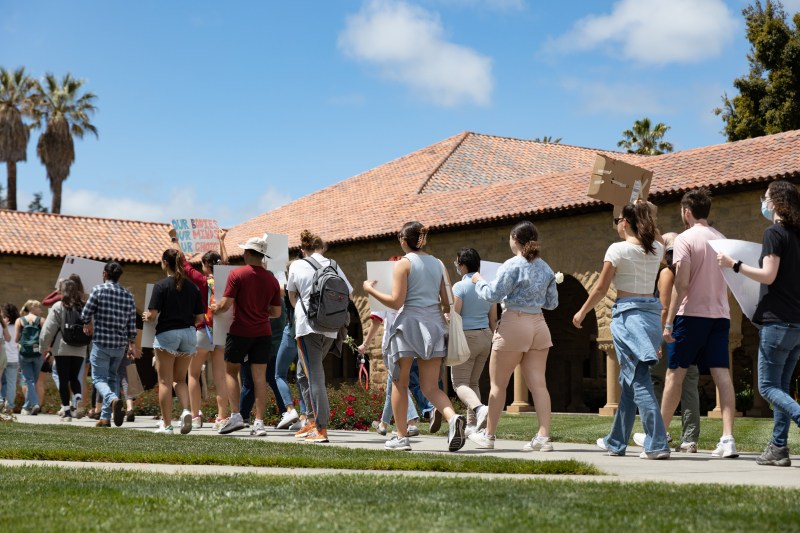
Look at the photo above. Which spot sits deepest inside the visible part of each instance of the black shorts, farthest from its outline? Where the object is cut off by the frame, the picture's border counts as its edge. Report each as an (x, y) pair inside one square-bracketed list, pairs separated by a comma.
[(253, 350)]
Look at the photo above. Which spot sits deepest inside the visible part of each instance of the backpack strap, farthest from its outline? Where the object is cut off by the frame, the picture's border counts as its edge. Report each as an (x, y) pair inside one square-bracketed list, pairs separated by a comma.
[(23, 321), (313, 262)]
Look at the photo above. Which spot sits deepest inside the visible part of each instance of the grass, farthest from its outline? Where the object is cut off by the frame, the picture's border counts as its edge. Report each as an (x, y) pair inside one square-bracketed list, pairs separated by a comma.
[(752, 434), (90, 499), (69, 443)]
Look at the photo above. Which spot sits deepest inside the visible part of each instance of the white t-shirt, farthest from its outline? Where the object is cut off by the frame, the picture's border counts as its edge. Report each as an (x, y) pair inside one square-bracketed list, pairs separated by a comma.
[(636, 270), (12, 349), (301, 275)]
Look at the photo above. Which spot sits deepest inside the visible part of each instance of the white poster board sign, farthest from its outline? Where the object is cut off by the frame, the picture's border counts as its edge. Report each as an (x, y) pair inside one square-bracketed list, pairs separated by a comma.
[(197, 235), (489, 270), (91, 272), (222, 321), (149, 328), (278, 251), (380, 271), (745, 290)]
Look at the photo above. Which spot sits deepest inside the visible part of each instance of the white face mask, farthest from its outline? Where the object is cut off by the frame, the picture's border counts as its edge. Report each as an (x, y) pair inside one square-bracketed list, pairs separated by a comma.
[(768, 213)]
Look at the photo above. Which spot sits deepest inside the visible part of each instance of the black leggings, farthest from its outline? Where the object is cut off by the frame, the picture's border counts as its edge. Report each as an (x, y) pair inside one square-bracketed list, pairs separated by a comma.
[(69, 368)]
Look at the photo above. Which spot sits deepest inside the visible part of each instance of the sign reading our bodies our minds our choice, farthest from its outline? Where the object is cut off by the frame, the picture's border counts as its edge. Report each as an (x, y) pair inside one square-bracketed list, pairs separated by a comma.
[(196, 235)]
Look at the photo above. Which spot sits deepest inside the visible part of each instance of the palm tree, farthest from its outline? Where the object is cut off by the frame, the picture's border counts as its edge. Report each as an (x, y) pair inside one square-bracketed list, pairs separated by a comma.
[(644, 140), (547, 139), (17, 100), (66, 114)]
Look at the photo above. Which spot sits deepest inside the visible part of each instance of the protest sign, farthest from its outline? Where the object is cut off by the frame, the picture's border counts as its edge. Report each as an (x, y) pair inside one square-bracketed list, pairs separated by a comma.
[(222, 321), (196, 235), (149, 328), (381, 271), (489, 270), (618, 183), (278, 251), (745, 290), (91, 272)]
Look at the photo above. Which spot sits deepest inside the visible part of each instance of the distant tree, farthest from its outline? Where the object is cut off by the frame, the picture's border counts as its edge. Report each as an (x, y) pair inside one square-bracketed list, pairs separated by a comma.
[(769, 96), (66, 114), (17, 100), (548, 140), (643, 139), (36, 205), (2, 198)]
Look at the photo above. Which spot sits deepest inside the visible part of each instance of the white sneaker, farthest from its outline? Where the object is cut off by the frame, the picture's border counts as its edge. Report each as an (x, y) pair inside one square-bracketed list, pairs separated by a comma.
[(165, 430), (186, 421), (398, 443), (481, 416), (25, 411), (638, 438), (538, 444), (287, 419), (726, 448), (298, 425), (601, 443), (469, 430), (258, 429), (412, 431), (482, 440), (234, 423), (664, 454), (687, 447)]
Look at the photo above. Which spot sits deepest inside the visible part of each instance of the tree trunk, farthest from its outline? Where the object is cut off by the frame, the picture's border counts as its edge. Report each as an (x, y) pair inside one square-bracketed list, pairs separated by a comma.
[(11, 200), (56, 188)]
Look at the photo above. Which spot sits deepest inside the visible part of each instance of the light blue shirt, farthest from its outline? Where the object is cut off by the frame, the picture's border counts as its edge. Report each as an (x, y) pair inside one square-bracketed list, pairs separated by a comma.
[(424, 281), (527, 286), (474, 310)]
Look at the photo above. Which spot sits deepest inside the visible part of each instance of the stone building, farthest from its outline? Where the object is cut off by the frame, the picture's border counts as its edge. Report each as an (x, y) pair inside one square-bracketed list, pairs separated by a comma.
[(471, 189)]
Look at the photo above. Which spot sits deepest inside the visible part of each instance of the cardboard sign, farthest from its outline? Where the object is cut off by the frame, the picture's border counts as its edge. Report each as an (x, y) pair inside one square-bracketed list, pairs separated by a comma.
[(91, 272), (222, 321), (618, 183), (197, 235), (489, 270), (149, 328), (278, 251), (745, 290), (382, 272)]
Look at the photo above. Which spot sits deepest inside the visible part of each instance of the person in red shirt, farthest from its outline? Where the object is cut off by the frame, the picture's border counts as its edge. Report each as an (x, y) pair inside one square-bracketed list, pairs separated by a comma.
[(255, 295)]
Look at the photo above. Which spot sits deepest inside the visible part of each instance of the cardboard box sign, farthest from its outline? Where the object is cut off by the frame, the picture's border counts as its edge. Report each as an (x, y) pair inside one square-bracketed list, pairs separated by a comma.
[(618, 183)]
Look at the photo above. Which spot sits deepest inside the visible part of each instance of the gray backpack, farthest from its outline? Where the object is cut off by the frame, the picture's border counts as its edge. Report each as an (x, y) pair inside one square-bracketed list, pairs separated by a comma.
[(327, 305)]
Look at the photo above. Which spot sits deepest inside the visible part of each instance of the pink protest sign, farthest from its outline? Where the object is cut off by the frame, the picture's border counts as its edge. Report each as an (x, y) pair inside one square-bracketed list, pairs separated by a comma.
[(196, 235)]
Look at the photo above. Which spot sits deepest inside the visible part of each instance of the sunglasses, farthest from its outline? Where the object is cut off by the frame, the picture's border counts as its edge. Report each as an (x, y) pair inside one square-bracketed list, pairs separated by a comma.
[(618, 220)]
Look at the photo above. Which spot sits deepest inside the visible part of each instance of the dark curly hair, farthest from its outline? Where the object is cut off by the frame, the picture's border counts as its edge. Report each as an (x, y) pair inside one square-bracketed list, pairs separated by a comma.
[(786, 200)]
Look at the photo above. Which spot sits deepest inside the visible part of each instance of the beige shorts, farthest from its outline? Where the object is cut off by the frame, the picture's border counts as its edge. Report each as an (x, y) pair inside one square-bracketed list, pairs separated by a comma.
[(521, 332)]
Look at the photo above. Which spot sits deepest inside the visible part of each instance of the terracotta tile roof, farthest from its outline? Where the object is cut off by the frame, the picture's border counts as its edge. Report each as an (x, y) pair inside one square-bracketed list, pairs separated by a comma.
[(102, 239), (472, 178)]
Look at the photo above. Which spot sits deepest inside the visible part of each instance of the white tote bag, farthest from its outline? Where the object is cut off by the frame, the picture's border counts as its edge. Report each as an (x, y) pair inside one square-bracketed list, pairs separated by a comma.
[(457, 348)]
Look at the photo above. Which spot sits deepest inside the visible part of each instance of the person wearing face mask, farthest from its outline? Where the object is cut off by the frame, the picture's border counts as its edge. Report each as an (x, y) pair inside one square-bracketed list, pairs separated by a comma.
[(777, 312), (698, 321)]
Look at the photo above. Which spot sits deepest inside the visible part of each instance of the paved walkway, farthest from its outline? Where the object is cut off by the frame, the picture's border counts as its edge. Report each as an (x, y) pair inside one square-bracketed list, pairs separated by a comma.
[(681, 468)]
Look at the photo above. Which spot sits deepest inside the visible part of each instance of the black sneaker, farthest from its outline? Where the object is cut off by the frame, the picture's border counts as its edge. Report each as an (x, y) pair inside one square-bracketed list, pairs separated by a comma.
[(455, 436), (436, 421), (129, 416), (118, 411), (775, 456)]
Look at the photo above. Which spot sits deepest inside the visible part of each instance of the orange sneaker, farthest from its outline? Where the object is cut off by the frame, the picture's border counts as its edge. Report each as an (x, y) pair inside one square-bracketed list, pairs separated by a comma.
[(317, 436), (305, 430)]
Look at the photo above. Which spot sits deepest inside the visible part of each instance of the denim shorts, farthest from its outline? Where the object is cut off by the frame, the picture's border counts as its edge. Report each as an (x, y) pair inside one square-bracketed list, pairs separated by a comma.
[(203, 342), (699, 341), (177, 341)]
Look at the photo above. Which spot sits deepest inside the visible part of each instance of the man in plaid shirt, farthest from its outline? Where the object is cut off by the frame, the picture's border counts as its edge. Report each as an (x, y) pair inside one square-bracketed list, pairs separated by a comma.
[(110, 317)]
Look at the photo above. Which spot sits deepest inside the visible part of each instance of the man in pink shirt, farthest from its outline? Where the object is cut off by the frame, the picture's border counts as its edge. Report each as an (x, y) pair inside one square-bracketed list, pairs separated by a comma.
[(698, 321)]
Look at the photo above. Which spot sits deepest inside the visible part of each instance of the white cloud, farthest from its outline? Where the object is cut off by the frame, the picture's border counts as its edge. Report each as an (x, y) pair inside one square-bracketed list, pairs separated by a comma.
[(654, 31), (495, 5), (597, 97), (407, 44), (178, 204)]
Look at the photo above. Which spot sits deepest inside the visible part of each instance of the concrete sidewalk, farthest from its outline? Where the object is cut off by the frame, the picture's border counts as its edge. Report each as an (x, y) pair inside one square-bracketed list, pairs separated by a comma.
[(680, 468)]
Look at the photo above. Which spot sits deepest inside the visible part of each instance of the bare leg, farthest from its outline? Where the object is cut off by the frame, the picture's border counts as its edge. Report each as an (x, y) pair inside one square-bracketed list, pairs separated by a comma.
[(727, 398), (165, 380), (400, 395), (180, 368), (534, 365), (220, 382), (673, 385), (429, 372), (195, 367), (501, 366), (232, 385), (259, 373)]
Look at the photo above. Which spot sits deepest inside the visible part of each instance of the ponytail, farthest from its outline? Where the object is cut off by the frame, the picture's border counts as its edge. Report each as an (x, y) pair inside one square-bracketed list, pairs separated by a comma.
[(527, 237), (174, 260), (640, 218), (415, 235)]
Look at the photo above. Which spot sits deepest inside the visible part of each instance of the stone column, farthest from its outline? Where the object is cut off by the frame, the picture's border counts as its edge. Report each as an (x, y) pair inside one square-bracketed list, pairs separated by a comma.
[(520, 404), (613, 390)]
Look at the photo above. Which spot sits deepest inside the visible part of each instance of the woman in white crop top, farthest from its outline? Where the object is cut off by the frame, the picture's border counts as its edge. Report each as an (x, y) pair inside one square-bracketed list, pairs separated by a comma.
[(632, 265)]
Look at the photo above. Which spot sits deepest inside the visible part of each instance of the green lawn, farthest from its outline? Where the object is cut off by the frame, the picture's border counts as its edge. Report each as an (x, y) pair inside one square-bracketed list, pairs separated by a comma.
[(88, 499), (752, 434), (69, 443)]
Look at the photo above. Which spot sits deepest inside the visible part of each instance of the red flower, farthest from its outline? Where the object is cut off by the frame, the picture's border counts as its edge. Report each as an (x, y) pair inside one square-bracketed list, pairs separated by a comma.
[(349, 398), (350, 411)]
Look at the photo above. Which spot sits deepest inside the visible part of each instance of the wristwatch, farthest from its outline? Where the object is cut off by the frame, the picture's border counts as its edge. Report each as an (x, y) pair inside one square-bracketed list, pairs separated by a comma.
[(736, 266)]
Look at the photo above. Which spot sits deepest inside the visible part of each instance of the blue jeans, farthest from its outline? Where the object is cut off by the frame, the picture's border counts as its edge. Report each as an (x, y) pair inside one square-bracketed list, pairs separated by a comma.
[(287, 354), (30, 369), (8, 386), (638, 394), (105, 364), (413, 386), (386, 417), (778, 352)]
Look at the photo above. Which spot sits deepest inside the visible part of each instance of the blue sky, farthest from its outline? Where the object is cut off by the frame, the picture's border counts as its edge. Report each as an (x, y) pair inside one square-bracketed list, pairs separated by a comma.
[(228, 109)]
